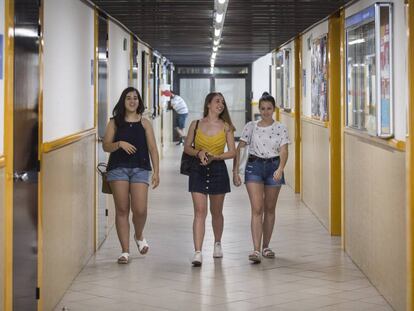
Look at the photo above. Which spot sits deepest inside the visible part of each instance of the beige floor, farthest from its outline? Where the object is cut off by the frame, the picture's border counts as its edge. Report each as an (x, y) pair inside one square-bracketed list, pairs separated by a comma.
[(311, 272)]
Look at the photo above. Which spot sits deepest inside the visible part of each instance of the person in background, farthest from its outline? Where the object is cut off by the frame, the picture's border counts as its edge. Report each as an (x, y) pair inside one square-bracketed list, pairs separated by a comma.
[(209, 178), (178, 104), (267, 141), (130, 139)]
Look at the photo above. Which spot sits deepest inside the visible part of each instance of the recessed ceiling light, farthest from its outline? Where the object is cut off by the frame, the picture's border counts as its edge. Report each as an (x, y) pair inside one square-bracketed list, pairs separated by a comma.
[(219, 17)]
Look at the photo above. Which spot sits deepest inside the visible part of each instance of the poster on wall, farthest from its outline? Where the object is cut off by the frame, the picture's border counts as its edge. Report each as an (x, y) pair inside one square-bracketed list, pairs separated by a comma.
[(1, 57), (304, 82), (319, 79), (385, 69), (279, 79)]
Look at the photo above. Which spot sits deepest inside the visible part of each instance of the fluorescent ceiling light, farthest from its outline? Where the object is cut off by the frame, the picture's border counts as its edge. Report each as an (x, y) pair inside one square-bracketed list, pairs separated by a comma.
[(217, 32), (25, 32), (362, 40), (221, 1), (219, 17), (215, 48), (216, 42), (213, 55)]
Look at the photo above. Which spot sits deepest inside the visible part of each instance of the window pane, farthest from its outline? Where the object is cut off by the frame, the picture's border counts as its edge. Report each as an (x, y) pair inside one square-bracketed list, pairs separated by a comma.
[(194, 91), (361, 78), (234, 92)]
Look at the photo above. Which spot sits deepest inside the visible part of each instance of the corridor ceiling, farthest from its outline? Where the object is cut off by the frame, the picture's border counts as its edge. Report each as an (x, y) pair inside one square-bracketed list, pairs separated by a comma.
[(182, 30)]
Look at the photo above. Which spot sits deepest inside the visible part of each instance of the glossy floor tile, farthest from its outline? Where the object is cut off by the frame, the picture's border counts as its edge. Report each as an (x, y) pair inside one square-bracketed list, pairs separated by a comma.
[(310, 271)]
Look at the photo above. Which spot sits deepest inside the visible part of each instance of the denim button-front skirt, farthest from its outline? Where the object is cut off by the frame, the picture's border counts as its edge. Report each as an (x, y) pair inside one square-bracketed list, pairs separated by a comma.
[(210, 179)]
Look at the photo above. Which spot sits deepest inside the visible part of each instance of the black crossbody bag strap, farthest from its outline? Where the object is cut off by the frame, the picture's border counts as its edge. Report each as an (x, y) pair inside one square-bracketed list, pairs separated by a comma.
[(195, 133)]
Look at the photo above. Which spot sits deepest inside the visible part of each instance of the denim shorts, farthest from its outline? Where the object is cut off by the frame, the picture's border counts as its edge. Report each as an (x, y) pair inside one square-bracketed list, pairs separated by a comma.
[(132, 175), (261, 171), (181, 120)]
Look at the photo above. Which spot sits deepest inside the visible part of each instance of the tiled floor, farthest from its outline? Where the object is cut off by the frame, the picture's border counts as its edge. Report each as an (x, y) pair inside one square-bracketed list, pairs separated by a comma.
[(310, 271)]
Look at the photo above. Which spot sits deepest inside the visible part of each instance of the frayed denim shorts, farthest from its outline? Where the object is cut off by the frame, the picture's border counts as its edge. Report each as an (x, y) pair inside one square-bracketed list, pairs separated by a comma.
[(132, 175), (261, 171)]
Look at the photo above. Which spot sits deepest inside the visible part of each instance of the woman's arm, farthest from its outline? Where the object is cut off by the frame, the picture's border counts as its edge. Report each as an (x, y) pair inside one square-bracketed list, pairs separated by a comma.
[(283, 154), (236, 163), (108, 144), (236, 160), (153, 151)]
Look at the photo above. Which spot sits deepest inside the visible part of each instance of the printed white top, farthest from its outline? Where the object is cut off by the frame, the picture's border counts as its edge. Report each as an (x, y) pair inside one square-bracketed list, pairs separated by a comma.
[(179, 104), (265, 142)]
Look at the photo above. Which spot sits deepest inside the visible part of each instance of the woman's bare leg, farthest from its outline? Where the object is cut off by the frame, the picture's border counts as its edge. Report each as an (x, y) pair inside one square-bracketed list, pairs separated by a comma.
[(120, 191), (270, 199), (199, 223), (256, 195)]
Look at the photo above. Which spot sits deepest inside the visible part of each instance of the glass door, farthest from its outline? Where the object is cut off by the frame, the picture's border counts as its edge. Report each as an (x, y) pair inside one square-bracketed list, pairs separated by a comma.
[(234, 92), (194, 91)]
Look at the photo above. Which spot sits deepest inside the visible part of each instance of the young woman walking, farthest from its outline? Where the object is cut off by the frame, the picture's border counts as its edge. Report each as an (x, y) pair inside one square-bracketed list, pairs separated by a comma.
[(130, 139), (267, 141), (209, 178)]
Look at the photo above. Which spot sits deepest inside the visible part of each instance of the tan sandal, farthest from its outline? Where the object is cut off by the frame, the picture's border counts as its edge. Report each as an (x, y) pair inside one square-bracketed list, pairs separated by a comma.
[(123, 258), (268, 253), (255, 257)]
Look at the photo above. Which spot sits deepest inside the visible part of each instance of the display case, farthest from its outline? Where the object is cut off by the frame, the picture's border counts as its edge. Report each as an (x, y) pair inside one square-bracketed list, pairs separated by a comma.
[(319, 79), (283, 89), (369, 90)]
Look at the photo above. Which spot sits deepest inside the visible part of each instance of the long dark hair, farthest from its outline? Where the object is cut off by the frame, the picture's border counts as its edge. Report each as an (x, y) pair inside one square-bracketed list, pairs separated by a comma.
[(224, 115), (266, 97), (119, 109)]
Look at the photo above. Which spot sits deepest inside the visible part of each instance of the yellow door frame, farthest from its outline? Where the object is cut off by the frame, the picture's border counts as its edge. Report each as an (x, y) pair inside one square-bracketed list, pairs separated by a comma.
[(410, 159), (334, 124), (8, 152)]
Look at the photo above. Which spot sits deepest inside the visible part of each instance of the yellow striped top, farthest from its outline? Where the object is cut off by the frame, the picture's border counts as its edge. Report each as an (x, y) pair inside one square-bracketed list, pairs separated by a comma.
[(212, 144)]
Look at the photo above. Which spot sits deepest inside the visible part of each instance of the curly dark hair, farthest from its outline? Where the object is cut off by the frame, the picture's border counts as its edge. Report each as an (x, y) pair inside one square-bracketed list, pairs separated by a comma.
[(119, 109)]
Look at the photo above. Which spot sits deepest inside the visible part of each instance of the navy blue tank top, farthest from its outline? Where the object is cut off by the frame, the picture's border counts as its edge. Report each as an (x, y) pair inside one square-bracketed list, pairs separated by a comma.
[(133, 133)]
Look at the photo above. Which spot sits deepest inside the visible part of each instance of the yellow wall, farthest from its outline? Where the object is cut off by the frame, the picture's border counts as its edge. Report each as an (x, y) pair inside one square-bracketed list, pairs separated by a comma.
[(68, 216), (289, 121), (1, 239), (375, 235), (315, 170)]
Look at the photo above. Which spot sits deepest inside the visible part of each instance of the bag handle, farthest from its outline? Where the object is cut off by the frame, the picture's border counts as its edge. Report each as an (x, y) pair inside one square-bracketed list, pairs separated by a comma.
[(101, 168), (195, 133)]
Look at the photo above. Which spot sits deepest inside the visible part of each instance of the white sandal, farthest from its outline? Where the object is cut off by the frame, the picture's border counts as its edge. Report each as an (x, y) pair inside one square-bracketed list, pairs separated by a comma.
[(142, 245), (268, 253), (123, 258)]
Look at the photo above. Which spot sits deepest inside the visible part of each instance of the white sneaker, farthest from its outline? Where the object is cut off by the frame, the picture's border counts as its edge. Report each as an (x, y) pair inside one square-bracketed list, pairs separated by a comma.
[(197, 259), (218, 252)]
